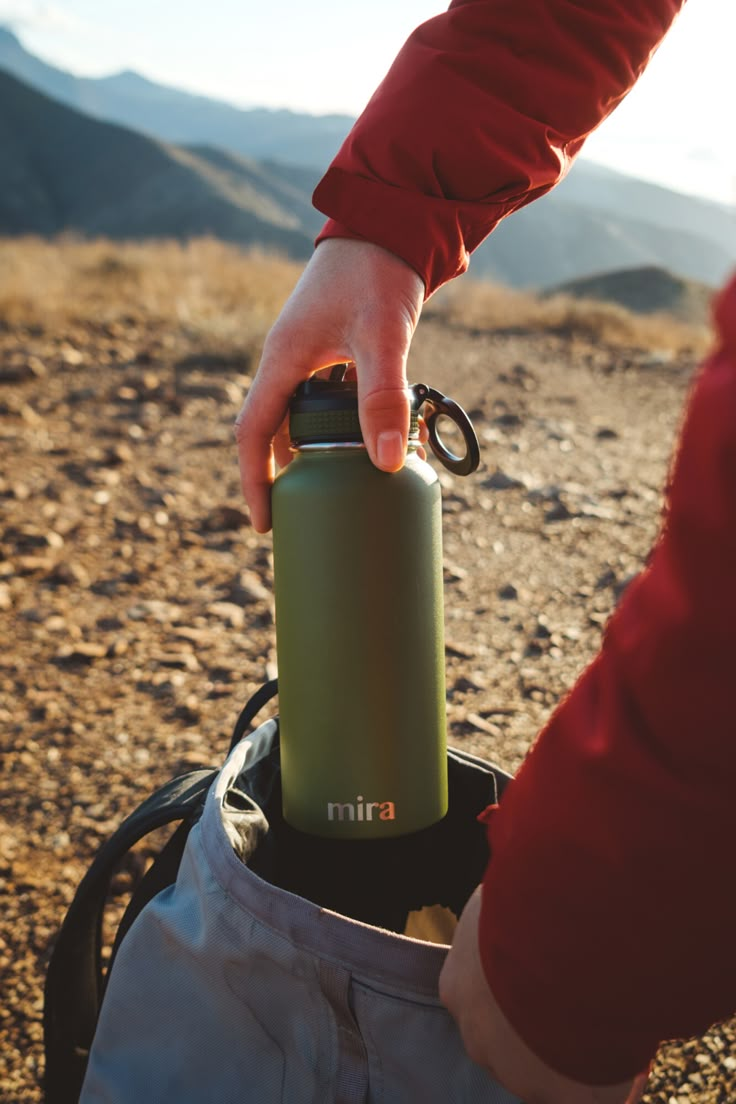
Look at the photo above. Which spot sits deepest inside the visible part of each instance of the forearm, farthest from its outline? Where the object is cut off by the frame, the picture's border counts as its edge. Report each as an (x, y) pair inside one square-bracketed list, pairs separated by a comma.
[(482, 112), (609, 902)]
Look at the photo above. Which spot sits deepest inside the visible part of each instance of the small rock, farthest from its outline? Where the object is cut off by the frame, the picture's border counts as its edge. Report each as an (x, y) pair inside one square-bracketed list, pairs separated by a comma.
[(20, 491), (542, 630), (22, 371), (118, 454), (558, 512), (593, 510), (224, 519), (185, 661), (605, 433), (607, 579), (246, 588), (109, 624), (32, 565), (482, 725), (188, 712), (202, 637), (28, 537), (508, 593), (508, 420), (549, 493), (463, 685), (156, 610), (84, 651), (126, 394), (228, 612), (81, 395), (68, 573), (500, 481), (35, 615), (70, 355)]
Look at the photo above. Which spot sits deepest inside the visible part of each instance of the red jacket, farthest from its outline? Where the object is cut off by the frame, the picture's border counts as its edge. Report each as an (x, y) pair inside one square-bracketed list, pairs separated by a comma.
[(609, 905)]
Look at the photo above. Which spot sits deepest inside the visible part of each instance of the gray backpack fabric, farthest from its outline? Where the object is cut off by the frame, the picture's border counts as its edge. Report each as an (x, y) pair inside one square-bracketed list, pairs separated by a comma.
[(230, 987)]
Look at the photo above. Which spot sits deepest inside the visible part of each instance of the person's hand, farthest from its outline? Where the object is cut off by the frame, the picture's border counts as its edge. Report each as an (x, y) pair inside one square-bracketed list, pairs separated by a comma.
[(354, 302), (491, 1041)]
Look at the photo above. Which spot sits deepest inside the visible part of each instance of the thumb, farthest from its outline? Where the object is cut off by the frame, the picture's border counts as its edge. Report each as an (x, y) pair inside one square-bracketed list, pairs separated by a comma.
[(384, 406)]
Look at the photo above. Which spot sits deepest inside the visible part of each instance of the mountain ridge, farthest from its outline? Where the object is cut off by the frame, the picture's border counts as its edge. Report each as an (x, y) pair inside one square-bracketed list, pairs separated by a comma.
[(595, 220), (66, 171), (173, 115)]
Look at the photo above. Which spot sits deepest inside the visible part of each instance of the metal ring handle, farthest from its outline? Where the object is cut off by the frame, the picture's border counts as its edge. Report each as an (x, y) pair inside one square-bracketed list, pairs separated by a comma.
[(438, 405)]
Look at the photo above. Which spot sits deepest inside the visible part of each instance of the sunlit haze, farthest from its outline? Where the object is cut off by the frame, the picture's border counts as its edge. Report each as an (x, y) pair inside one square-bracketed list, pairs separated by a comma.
[(675, 128)]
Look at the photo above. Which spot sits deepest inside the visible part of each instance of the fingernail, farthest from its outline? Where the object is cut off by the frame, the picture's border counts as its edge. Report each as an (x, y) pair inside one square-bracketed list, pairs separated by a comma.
[(390, 450)]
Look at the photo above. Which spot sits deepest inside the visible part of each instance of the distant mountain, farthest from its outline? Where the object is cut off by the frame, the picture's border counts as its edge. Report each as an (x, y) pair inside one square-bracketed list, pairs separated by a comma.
[(558, 238), (174, 116), (62, 170), (646, 291), (249, 175)]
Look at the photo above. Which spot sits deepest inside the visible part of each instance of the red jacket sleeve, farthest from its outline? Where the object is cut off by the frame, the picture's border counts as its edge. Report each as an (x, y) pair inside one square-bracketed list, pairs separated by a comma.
[(609, 905), (483, 111)]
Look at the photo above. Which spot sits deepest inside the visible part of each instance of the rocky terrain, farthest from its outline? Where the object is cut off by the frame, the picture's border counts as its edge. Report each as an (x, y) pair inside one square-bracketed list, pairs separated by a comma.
[(135, 599)]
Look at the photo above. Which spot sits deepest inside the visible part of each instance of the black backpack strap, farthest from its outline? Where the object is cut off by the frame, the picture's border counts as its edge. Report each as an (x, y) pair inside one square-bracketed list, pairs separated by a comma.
[(253, 705), (74, 980)]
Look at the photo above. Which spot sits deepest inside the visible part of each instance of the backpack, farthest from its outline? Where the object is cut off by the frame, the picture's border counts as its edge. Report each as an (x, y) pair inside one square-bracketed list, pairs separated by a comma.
[(349, 895)]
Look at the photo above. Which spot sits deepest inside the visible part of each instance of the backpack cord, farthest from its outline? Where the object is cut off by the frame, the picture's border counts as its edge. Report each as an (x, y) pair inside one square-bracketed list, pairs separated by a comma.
[(253, 706)]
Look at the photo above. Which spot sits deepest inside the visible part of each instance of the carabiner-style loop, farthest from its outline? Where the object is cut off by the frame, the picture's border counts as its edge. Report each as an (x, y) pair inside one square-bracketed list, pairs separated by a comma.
[(437, 405)]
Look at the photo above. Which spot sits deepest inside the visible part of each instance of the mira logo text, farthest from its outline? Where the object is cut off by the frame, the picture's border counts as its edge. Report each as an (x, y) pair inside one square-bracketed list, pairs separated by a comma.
[(361, 810)]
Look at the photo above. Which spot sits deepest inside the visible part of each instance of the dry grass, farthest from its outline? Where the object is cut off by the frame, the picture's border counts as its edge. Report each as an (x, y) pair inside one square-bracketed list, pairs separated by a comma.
[(217, 290), (205, 286), (487, 306)]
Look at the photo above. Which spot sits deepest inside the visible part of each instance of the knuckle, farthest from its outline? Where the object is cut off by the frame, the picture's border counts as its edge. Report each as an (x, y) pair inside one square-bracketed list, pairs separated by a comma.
[(388, 400)]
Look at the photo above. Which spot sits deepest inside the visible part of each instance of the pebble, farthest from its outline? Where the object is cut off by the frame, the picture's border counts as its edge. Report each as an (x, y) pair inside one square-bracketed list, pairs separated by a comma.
[(482, 725), (224, 519), (501, 481), (558, 512), (183, 660), (81, 652), (246, 588), (68, 573), (232, 615), (155, 610)]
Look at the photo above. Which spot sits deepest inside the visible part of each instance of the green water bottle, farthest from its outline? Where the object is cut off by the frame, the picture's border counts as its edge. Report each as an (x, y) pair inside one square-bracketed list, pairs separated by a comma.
[(359, 620)]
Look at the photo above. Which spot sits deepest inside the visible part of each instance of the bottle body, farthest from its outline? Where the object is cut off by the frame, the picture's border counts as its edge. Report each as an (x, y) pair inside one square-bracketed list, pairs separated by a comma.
[(360, 643)]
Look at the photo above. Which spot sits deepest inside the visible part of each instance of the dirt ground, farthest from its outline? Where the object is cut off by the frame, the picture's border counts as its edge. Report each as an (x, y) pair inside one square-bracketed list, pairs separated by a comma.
[(135, 600)]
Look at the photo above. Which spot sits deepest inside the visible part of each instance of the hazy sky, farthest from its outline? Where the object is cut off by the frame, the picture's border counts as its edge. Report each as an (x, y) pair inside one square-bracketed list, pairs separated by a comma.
[(677, 127)]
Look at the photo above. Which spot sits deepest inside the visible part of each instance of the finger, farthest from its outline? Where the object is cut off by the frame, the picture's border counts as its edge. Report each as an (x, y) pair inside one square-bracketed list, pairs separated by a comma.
[(264, 413), (256, 426), (282, 445), (256, 475), (384, 406)]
